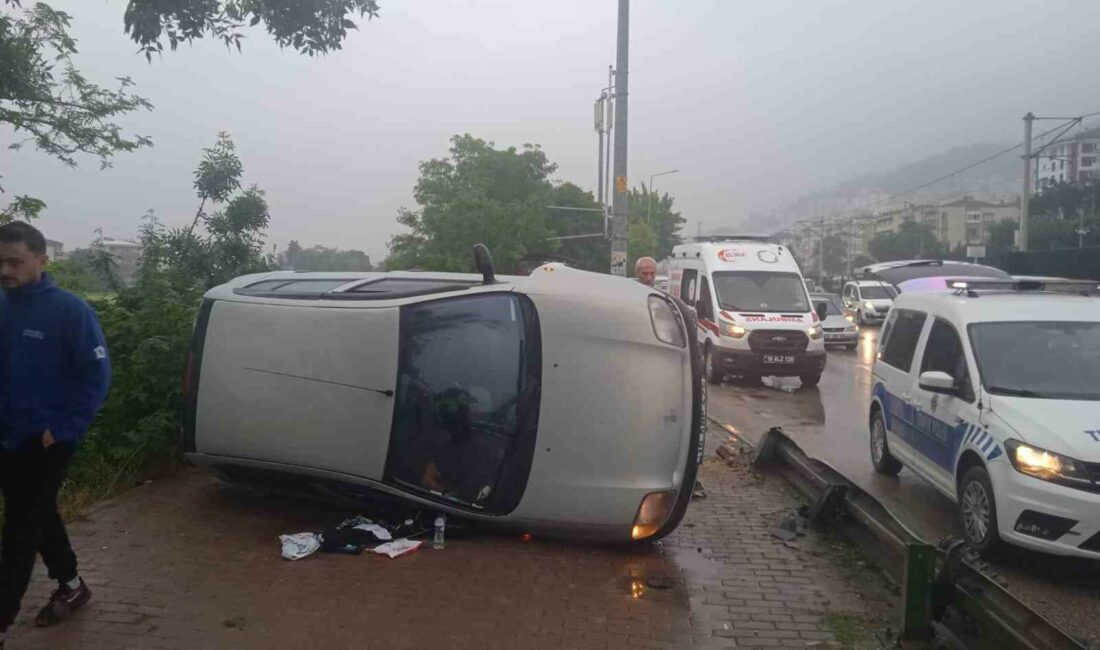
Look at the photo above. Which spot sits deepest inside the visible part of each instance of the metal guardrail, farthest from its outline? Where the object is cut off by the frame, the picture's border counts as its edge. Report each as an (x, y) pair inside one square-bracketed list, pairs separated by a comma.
[(944, 594)]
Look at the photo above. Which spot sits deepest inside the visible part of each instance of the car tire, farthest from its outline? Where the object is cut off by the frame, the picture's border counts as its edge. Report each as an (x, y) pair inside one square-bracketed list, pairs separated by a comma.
[(809, 381), (978, 511), (710, 368), (881, 458)]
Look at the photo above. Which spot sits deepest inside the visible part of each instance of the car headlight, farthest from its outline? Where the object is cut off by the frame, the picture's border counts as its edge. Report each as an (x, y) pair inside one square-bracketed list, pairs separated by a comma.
[(868, 305), (1046, 465), (666, 325), (850, 318), (853, 328), (652, 514), (736, 331), (815, 332)]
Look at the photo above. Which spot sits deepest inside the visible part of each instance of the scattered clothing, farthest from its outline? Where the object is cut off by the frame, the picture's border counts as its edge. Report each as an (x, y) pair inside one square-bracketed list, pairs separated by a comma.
[(398, 547), (299, 545)]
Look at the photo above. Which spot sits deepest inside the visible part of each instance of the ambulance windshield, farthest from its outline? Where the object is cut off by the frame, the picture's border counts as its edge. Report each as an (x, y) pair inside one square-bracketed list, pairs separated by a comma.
[(761, 291)]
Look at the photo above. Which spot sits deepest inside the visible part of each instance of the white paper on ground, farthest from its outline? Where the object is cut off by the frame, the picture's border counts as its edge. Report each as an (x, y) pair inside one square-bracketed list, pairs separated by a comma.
[(398, 547), (299, 545), (378, 531)]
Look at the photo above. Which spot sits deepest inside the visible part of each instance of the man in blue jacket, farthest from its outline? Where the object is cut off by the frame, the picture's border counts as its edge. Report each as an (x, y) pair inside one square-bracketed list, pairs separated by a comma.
[(54, 374)]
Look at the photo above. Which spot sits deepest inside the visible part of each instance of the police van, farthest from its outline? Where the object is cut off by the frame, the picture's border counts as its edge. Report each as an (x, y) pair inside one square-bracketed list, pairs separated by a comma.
[(991, 393), (754, 316)]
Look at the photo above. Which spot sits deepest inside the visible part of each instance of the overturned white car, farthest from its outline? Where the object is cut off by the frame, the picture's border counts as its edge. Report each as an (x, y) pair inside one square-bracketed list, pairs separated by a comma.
[(565, 402)]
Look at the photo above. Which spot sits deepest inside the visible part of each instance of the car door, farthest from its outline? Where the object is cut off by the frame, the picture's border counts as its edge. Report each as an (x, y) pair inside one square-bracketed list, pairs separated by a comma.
[(894, 381), (704, 306), (689, 281), (847, 297), (944, 419)]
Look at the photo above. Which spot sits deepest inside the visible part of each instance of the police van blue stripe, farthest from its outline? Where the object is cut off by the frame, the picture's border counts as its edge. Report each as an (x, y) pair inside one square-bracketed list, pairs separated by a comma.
[(985, 445), (993, 455)]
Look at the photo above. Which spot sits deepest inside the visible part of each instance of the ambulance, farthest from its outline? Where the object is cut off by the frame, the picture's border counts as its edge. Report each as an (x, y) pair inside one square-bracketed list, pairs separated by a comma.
[(754, 316)]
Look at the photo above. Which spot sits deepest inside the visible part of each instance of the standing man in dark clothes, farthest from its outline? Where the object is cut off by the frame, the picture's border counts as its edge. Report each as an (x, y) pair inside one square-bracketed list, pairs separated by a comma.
[(54, 374)]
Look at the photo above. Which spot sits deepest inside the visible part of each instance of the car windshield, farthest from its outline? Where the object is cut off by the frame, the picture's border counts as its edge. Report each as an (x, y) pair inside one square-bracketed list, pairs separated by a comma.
[(1043, 359), (760, 291), (832, 305), (878, 292)]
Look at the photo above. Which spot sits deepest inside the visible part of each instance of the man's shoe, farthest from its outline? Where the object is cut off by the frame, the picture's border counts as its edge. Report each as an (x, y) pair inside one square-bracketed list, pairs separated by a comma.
[(63, 603)]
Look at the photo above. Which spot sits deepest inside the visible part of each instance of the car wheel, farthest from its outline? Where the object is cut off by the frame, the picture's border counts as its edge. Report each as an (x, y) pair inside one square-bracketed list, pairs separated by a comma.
[(809, 381), (710, 367), (881, 458), (978, 511)]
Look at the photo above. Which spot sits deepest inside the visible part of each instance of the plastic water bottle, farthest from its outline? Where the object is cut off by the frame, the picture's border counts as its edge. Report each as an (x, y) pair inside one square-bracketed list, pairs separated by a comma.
[(440, 524)]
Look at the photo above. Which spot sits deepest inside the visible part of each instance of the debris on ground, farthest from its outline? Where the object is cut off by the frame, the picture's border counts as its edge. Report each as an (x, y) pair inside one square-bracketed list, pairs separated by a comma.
[(785, 384), (698, 492), (299, 545), (398, 547), (792, 524)]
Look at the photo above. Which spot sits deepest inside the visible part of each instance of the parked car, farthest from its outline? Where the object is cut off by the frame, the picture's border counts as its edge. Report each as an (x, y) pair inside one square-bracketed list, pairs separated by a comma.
[(991, 394), (840, 326), (564, 402), (869, 300), (755, 316)]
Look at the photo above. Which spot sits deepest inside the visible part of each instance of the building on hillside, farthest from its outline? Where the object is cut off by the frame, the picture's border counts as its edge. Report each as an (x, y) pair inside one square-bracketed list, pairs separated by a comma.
[(127, 254), (1068, 160), (957, 223), (55, 249)]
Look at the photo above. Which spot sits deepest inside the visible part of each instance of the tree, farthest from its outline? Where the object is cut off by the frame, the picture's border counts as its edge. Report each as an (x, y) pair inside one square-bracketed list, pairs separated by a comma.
[(319, 258), (589, 254), (911, 240), (310, 27), (640, 242), (835, 258), (656, 211), (478, 194), (48, 103)]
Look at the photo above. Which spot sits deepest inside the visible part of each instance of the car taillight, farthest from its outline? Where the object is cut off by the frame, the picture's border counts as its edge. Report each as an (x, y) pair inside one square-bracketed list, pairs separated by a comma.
[(652, 514)]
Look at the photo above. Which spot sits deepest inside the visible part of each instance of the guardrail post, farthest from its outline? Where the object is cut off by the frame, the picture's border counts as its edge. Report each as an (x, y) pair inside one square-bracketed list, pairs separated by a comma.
[(920, 573)]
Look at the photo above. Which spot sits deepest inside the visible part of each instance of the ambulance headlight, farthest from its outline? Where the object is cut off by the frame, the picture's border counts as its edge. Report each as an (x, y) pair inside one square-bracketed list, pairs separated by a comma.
[(666, 323), (736, 331)]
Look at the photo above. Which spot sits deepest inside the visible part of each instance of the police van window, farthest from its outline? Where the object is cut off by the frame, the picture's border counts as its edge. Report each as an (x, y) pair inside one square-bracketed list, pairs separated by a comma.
[(944, 353), (687, 286), (704, 307), (903, 336)]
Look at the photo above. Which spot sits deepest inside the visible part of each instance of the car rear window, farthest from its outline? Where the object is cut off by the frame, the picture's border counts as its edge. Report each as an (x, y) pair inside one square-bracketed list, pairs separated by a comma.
[(878, 293), (467, 400)]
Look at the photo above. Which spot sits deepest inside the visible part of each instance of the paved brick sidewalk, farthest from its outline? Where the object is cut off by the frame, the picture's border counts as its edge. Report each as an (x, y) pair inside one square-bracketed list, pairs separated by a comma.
[(188, 563)]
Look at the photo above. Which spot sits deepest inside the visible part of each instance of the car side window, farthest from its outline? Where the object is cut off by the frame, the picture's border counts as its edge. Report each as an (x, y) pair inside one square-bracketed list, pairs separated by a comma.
[(704, 306), (901, 346), (944, 353), (847, 291), (687, 286)]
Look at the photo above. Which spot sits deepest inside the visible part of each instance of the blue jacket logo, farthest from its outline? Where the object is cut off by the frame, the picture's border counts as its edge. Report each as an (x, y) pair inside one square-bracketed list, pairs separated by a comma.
[(34, 334)]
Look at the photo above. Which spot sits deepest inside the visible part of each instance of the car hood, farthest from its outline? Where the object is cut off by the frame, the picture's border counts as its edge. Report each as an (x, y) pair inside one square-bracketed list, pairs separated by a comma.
[(1061, 426), (834, 320), (881, 303)]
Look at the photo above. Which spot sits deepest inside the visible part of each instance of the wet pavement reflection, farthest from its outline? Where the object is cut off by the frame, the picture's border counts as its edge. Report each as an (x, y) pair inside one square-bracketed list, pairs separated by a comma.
[(829, 422)]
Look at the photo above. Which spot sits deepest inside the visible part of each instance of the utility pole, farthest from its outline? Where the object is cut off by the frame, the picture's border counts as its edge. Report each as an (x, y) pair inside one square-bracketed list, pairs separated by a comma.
[(821, 252), (1025, 198), (600, 111), (619, 215)]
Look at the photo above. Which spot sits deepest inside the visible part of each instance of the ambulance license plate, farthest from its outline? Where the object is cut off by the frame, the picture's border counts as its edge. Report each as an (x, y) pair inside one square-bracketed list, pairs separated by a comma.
[(778, 359)]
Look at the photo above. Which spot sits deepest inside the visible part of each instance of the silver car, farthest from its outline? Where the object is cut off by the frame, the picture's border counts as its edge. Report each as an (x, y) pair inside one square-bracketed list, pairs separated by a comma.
[(840, 327), (564, 402)]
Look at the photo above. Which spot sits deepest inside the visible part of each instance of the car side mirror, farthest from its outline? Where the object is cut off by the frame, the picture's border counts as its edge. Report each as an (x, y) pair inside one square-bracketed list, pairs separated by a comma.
[(937, 381), (822, 309)]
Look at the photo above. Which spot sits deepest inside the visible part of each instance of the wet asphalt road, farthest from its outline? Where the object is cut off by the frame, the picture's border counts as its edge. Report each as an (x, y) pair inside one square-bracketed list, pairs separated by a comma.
[(829, 422)]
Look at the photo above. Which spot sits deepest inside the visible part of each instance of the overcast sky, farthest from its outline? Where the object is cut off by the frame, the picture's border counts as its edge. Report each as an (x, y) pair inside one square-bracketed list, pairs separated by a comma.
[(755, 102)]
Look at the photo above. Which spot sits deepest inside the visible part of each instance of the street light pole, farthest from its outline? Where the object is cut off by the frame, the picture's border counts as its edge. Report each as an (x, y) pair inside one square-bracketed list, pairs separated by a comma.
[(1025, 198), (619, 215), (649, 210)]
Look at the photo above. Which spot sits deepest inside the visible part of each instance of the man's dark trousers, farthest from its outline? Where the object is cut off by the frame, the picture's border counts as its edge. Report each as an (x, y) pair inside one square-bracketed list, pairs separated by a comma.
[(30, 477)]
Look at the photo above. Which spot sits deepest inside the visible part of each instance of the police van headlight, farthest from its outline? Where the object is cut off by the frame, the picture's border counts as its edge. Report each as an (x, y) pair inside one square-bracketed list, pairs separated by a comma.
[(1046, 465), (666, 325), (869, 305), (815, 332)]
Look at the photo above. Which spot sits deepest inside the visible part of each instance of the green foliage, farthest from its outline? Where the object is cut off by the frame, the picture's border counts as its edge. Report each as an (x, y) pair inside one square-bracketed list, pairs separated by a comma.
[(479, 194), (655, 210), (640, 242), (319, 258), (148, 328), (590, 254), (310, 27), (835, 259), (86, 272), (48, 103), (911, 241)]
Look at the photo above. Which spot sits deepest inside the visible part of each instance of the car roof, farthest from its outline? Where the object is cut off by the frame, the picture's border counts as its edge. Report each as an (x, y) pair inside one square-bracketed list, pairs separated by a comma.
[(870, 283), (1000, 306)]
